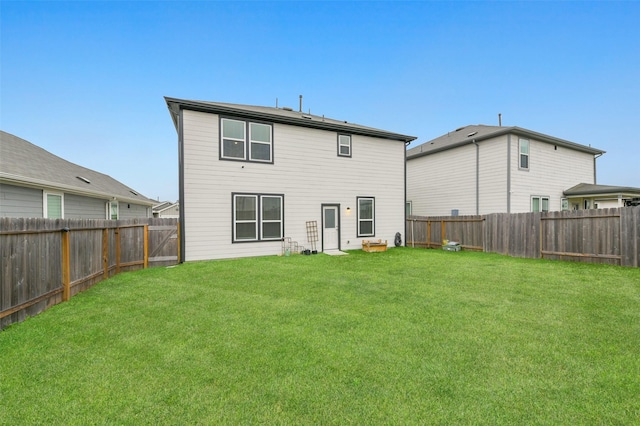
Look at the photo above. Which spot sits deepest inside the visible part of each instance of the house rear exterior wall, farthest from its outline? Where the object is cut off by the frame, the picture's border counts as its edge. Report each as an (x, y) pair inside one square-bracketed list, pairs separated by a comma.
[(20, 201), (77, 206), (552, 169), (132, 211), (306, 170)]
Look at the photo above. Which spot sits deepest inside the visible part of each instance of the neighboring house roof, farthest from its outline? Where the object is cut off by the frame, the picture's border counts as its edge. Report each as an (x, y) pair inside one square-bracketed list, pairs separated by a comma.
[(468, 134), (23, 163), (280, 115), (164, 206), (587, 189)]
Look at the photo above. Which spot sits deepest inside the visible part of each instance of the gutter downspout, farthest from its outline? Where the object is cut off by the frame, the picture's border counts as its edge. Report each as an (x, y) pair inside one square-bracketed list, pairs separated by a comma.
[(508, 173), (181, 185), (477, 177), (595, 157), (405, 194)]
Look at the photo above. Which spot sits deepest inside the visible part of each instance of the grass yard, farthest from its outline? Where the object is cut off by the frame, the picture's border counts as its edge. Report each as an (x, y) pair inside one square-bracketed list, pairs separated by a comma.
[(407, 336)]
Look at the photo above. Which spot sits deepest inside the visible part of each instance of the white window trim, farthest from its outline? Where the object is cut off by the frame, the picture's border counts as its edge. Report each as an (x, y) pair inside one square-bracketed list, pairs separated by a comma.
[(540, 199), (222, 139), (259, 221), (527, 154), (340, 145), (373, 216), (280, 221), (252, 141), (108, 206), (45, 204)]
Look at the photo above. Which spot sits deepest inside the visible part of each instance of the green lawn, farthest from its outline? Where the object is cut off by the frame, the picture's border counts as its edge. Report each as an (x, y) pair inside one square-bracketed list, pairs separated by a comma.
[(404, 337)]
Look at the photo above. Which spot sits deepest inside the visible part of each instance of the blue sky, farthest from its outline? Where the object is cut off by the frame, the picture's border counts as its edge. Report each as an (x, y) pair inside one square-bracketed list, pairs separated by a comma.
[(85, 80)]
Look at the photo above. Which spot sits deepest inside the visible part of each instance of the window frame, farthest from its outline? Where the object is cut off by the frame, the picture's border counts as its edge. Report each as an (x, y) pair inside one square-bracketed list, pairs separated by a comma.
[(247, 140), (359, 220), (522, 155), (408, 208), (340, 145), (541, 200), (259, 218), (45, 204)]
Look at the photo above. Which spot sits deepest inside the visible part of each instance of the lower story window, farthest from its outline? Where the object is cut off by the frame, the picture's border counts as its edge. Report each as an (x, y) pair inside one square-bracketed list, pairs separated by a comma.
[(366, 216), (539, 204), (258, 217), (53, 206)]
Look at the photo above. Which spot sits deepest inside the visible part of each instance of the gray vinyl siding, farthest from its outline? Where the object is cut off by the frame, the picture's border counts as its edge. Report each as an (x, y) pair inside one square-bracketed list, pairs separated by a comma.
[(79, 207), (18, 201), (493, 175), (132, 211), (306, 170)]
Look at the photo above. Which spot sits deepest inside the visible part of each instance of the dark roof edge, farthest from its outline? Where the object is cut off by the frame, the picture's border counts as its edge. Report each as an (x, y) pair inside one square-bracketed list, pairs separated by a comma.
[(176, 104), (608, 190), (516, 131)]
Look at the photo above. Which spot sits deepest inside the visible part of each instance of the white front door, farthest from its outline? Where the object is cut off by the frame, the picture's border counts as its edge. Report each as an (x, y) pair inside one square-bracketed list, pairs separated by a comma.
[(330, 228)]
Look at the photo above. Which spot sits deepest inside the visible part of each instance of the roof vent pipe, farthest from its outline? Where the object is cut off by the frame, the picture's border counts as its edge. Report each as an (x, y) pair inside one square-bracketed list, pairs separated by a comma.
[(300, 103), (499, 119)]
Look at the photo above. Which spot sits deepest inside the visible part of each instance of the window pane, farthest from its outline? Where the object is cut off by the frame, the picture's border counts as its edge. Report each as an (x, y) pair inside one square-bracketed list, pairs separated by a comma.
[(260, 132), (54, 206), (233, 149), (545, 204), (524, 146), (524, 161), (271, 208), (366, 209), (272, 230), (232, 129), (260, 151), (366, 227), (246, 231), (344, 150), (407, 208), (535, 204), (245, 208), (329, 218)]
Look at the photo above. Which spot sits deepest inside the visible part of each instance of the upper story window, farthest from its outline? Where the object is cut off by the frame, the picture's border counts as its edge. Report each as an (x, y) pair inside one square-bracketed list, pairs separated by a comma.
[(344, 146), (246, 141), (524, 154)]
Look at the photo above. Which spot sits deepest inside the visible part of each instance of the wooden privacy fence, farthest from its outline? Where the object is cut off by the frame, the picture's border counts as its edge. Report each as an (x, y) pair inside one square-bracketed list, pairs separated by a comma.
[(47, 261), (596, 236)]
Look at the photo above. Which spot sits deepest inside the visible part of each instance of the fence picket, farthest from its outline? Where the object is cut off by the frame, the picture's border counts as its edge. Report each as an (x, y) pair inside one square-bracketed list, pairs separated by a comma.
[(42, 265)]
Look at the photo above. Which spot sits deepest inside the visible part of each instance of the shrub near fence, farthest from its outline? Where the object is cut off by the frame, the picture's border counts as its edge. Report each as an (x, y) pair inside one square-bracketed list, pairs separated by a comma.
[(597, 236), (46, 261)]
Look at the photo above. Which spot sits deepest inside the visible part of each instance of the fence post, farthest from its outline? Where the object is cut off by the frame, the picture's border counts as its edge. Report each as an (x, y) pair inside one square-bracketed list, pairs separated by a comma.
[(443, 236), (146, 246), (66, 265)]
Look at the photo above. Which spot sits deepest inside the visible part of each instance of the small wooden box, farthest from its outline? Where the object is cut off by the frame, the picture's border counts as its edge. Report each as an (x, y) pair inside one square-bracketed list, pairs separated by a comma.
[(374, 246)]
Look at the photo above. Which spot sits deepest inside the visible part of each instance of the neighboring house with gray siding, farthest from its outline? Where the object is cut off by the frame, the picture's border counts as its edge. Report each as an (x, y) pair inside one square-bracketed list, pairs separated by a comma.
[(35, 183), (493, 169), (167, 210), (251, 176)]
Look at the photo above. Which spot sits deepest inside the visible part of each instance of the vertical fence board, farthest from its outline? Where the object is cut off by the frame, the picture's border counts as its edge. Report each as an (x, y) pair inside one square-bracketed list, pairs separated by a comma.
[(31, 256), (597, 236)]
